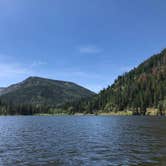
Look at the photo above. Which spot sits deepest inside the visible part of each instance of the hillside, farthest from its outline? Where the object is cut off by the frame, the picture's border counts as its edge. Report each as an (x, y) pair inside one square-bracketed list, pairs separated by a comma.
[(1, 89), (41, 91), (141, 88)]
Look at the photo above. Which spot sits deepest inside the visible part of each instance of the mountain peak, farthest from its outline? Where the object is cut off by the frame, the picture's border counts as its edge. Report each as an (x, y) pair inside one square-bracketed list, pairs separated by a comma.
[(35, 78), (37, 90)]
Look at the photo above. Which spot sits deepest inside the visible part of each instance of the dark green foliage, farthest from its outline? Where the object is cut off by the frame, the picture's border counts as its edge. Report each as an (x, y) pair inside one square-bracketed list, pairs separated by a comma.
[(141, 88), (39, 91), (37, 95), (22, 109)]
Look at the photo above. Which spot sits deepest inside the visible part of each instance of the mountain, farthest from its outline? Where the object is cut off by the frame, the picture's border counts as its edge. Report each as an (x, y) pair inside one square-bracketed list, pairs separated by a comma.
[(141, 88), (41, 91), (1, 89)]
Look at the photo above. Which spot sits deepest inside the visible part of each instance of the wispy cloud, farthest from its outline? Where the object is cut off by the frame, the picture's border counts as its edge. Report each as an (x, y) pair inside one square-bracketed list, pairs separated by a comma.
[(10, 70), (38, 63), (89, 49)]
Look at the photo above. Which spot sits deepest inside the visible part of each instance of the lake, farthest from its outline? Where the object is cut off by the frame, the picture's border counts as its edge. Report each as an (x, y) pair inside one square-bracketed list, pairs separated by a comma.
[(82, 140)]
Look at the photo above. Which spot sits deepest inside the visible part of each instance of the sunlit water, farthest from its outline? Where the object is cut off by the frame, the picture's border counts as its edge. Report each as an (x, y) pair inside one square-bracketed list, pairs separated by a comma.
[(82, 140)]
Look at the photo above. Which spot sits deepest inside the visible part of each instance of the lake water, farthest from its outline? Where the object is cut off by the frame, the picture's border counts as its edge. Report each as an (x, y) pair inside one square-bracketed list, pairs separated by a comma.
[(82, 140)]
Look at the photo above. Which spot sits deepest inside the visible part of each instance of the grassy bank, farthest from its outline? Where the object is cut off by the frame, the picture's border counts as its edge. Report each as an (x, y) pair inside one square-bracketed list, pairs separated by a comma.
[(44, 114), (124, 113), (152, 112)]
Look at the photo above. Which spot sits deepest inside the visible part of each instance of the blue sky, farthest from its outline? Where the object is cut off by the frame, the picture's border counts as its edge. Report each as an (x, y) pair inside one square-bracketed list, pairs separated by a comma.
[(89, 42)]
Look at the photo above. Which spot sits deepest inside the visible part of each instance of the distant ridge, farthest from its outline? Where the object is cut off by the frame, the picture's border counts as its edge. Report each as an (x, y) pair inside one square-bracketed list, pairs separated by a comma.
[(37, 90)]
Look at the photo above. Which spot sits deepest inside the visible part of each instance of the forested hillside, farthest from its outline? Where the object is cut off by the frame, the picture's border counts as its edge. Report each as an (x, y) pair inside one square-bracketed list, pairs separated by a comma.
[(141, 88), (37, 95)]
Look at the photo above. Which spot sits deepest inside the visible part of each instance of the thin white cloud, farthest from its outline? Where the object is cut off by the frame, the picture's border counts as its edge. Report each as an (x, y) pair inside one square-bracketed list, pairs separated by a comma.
[(89, 49), (10, 70), (38, 63)]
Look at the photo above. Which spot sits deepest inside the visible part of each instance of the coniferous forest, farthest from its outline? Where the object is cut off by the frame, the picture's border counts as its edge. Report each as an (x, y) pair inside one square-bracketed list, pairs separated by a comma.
[(143, 88)]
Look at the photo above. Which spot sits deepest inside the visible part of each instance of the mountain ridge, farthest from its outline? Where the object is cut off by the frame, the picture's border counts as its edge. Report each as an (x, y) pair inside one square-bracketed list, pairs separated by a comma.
[(38, 90)]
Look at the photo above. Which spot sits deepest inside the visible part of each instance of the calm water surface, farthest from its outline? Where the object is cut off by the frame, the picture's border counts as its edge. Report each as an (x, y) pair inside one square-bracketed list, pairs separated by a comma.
[(82, 140)]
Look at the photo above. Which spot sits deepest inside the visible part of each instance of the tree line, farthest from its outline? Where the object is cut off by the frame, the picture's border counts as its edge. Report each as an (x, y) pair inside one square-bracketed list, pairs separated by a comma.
[(141, 88)]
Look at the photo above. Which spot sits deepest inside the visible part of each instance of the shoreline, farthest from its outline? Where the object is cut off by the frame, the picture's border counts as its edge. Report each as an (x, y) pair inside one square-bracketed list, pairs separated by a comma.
[(150, 112)]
